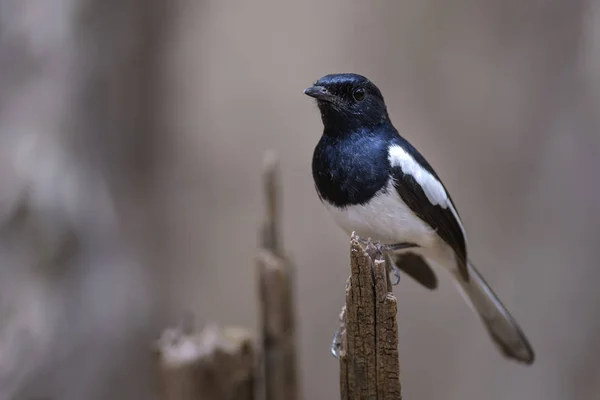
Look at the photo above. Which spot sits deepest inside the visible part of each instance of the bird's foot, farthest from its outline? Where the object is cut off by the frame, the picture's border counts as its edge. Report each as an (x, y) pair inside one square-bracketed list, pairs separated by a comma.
[(386, 250), (362, 240)]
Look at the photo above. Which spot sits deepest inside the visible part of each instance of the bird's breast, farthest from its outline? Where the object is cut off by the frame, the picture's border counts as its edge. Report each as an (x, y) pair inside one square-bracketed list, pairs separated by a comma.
[(352, 177), (350, 171), (385, 218)]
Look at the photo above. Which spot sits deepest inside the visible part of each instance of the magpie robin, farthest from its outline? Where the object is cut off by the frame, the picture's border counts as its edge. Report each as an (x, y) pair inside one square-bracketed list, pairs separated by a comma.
[(376, 184)]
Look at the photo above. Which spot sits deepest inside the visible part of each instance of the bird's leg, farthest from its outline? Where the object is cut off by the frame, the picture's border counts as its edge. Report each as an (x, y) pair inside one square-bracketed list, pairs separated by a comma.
[(387, 250), (387, 247), (390, 248)]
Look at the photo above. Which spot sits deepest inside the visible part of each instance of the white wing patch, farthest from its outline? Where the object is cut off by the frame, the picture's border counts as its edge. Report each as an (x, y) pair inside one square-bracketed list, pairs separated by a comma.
[(434, 190), (432, 187)]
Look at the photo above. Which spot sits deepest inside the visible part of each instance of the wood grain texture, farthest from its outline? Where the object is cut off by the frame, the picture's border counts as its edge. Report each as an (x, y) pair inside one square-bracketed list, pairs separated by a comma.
[(369, 365)]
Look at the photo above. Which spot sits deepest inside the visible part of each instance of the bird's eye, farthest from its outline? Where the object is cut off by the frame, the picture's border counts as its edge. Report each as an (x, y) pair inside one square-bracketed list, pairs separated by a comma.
[(359, 94)]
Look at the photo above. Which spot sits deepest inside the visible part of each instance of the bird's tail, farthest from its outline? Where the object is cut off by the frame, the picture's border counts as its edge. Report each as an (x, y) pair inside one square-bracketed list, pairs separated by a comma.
[(501, 326)]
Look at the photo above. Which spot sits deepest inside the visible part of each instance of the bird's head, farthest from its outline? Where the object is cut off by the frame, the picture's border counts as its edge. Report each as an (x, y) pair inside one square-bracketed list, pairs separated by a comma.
[(348, 102)]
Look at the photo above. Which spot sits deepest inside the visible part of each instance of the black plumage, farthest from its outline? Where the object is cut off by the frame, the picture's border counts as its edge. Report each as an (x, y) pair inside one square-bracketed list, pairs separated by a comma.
[(350, 162), (373, 180)]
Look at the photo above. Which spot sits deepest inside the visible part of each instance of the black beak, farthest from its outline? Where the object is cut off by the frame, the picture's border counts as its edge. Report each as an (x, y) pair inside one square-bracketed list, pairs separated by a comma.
[(319, 93)]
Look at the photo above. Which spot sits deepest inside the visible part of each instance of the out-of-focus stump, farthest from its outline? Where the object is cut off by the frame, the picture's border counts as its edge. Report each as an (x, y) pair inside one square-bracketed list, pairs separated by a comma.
[(369, 365), (276, 295), (217, 364)]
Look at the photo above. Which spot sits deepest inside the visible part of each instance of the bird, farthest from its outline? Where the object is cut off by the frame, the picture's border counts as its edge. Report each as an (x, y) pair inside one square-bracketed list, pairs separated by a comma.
[(377, 185)]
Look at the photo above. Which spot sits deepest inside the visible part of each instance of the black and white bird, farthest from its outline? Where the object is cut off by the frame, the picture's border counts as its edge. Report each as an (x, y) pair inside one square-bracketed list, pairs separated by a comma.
[(376, 184)]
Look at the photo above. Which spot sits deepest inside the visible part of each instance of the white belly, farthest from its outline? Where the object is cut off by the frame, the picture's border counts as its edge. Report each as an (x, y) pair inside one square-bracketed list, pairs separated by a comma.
[(385, 218)]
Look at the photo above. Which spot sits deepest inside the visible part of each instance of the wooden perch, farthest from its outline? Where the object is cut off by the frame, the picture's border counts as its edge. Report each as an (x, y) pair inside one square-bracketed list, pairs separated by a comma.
[(270, 239), (368, 353), (276, 295), (217, 364)]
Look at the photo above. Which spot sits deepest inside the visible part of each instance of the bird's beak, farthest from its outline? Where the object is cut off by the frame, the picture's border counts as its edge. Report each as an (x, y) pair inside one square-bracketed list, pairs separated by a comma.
[(319, 93)]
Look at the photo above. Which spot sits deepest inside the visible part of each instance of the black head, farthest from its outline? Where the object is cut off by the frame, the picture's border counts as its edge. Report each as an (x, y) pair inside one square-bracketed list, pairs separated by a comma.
[(348, 102)]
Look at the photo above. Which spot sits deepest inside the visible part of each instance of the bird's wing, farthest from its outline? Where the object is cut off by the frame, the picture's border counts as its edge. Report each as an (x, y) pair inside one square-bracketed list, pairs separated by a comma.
[(417, 268), (423, 192)]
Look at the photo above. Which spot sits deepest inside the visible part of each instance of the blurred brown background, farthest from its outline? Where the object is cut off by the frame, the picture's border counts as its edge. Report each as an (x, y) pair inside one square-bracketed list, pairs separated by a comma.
[(132, 134)]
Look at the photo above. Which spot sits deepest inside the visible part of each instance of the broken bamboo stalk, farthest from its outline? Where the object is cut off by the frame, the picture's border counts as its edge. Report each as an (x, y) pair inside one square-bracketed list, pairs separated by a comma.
[(215, 364), (276, 295), (368, 353)]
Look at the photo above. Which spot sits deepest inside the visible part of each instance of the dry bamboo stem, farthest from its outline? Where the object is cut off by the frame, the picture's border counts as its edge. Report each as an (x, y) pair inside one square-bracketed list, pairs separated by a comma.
[(369, 365), (216, 364), (276, 294)]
